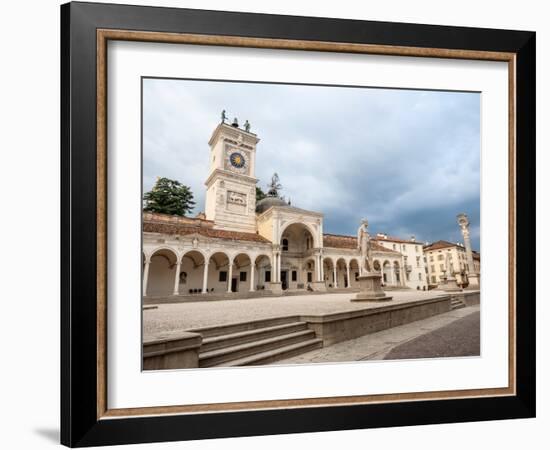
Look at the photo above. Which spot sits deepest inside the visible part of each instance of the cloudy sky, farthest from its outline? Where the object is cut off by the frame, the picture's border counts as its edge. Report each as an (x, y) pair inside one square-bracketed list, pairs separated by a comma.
[(406, 160)]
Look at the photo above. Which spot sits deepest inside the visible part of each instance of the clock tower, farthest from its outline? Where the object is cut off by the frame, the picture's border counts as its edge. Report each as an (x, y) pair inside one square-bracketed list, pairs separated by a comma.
[(231, 184)]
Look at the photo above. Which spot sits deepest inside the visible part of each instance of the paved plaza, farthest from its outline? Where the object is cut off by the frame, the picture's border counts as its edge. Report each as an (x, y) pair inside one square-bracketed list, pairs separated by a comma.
[(451, 334), (172, 318)]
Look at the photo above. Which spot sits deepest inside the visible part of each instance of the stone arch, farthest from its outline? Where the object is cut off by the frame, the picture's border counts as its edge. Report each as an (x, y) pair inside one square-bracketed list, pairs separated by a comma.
[(386, 272), (263, 271), (308, 227), (190, 278), (241, 273), (354, 271), (218, 271), (341, 272), (328, 271), (162, 271), (397, 272)]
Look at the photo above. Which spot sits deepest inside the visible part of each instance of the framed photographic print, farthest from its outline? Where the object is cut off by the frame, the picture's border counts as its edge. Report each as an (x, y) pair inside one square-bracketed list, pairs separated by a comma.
[(276, 224)]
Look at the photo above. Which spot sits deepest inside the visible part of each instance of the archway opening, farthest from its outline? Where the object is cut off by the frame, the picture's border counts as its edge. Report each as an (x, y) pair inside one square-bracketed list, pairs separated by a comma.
[(191, 276), (218, 273), (240, 275), (262, 272), (162, 272), (297, 244), (354, 272)]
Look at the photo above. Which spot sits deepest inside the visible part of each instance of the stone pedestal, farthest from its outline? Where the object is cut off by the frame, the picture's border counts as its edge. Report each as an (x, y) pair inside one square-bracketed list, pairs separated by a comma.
[(473, 281), (319, 286), (276, 287), (370, 286), (449, 284)]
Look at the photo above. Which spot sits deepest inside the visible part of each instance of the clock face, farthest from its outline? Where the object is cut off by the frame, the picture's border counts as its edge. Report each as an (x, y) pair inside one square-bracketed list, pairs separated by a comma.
[(237, 160)]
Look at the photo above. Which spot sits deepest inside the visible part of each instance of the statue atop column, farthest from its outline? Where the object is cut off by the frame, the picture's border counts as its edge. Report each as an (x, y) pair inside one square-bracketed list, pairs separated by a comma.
[(365, 247), (473, 276)]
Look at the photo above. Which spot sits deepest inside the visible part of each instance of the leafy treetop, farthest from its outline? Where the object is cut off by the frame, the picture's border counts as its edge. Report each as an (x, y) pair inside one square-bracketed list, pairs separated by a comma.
[(169, 197)]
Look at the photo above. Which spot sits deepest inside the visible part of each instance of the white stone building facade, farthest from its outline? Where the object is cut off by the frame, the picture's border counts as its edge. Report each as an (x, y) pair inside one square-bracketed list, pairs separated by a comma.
[(413, 261), (457, 265)]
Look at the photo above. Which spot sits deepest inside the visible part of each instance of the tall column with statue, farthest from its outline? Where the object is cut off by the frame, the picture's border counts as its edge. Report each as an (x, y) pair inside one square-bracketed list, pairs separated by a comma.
[(473, 276), (370, 281)]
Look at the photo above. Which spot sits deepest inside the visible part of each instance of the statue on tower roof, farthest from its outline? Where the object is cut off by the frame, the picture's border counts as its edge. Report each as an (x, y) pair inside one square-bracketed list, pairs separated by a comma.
[(274, 186), (224, 117), (247, 126)]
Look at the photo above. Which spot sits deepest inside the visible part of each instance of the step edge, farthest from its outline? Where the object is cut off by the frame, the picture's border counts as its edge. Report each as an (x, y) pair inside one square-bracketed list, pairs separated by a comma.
[(247, 345)]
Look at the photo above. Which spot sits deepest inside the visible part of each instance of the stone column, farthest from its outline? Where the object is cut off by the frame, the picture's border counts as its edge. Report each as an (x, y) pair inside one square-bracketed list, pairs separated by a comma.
[(205, 276), (177, 279), (347, 274), (335, 276), (229, 275), (464, 223), (252, 268), (146, 276), (277, 271)]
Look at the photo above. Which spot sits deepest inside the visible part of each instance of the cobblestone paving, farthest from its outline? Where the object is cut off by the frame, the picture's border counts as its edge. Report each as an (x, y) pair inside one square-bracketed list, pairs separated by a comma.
[(175, 317), (460, 338), (456, 328)]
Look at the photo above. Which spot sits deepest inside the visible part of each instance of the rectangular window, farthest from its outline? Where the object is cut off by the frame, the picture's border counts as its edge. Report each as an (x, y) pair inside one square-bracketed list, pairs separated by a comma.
[(420, 276), (440, 257), (309, 277), (242, 276), (294, 275), (431, 258), (432, 268), (223, 276), (433, 279), (268, 276)]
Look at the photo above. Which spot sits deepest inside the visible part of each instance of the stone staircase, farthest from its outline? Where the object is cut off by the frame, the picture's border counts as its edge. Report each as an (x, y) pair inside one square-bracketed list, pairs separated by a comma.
[(457, 303), (255, 343)]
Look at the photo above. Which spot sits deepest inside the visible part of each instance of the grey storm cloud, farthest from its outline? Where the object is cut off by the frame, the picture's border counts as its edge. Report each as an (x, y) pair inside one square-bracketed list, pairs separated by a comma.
[(408, 160)]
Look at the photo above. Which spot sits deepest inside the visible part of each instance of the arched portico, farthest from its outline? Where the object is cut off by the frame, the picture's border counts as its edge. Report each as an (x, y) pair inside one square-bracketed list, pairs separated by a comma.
[(397, 276), (342, 278), (354, 272), (191, 273), (261, 272), (297, 244), (329, 270), (239, 280), (159, 271), (219, 272), (387, 272)]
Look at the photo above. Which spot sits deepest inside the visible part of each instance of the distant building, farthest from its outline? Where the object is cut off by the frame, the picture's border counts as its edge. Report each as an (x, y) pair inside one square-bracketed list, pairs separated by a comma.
[(459, 267), (412, 259)]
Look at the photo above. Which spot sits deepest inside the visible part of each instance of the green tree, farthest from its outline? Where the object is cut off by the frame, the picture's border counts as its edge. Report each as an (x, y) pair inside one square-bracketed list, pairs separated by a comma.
[(169, 197), (260, 195)]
